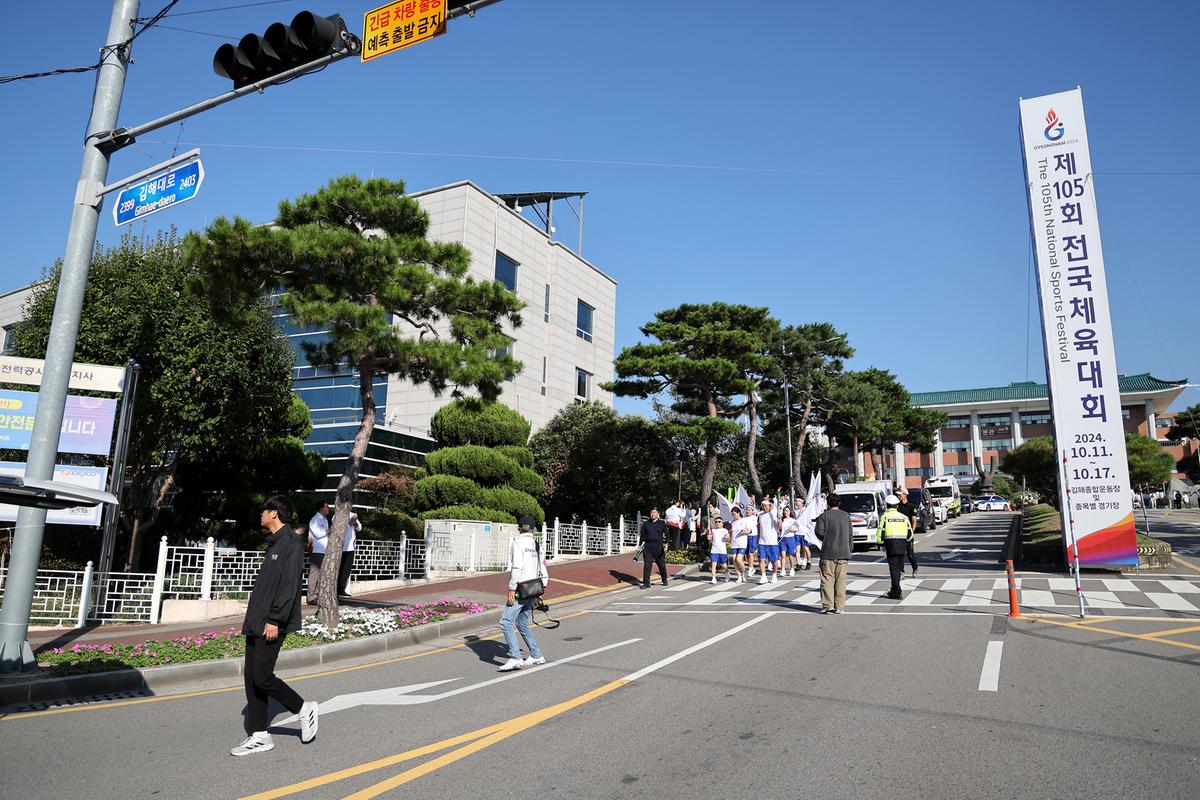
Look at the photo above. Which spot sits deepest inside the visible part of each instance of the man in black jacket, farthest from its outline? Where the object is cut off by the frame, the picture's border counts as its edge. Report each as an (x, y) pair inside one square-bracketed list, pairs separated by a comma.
[(272, 613), (653, 537)]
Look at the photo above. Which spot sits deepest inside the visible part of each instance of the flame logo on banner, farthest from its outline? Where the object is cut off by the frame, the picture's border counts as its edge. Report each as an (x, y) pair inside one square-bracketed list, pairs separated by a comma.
[(1054, 127)]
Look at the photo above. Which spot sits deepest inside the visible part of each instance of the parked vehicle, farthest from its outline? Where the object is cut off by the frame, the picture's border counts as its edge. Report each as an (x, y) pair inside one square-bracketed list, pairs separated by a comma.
[(967, 502), (922, 505), (945, 492), (992, 502), (864, 505)]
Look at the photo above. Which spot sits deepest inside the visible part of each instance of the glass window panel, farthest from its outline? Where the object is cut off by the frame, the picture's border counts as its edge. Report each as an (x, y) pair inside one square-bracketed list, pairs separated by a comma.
[(506, 271)]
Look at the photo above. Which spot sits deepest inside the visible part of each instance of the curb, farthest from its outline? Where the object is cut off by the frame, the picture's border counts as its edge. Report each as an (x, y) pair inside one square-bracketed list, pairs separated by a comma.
[(21, 690)]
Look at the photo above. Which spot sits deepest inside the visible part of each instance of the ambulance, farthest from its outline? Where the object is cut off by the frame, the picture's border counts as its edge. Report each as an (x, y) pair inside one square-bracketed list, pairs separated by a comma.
[(946, 496)]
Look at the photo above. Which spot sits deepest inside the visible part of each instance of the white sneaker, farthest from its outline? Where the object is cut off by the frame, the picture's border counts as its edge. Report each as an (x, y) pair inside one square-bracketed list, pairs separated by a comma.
[(308, 722), (511, 664), (762, 579), (750, 572), (774, 579), (533, 662), (728, 578), (259, 742), (714, 580)]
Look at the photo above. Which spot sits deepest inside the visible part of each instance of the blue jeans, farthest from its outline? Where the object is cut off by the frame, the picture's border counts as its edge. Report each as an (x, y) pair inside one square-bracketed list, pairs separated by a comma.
[(516, 618)]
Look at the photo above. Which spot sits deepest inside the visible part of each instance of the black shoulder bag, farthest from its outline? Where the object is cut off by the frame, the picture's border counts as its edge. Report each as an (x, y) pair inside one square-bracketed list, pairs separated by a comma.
[(532, 588)]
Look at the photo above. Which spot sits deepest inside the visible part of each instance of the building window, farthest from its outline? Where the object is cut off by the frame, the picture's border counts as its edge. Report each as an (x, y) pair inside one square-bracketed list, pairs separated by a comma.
[(918, 472), (1125, 413), (950, 446), (959, 422), (506, 271), (544, 360), (1163, 423), (1035, 417), (959, 469), (1000, 445), (583, 385), (995, 419), (6, 339), (583, 321), (546, 309)]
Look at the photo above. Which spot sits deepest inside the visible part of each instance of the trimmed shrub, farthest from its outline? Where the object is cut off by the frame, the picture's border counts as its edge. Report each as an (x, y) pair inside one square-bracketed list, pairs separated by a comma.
[(483, 465), (381, 523), (527, 481), (521, 455), (446, 490), (469, 513), (513, 501), (472, 421)]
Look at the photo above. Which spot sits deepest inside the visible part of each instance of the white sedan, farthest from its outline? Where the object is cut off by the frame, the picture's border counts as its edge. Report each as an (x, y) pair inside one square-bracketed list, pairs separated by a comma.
[(992, 503)]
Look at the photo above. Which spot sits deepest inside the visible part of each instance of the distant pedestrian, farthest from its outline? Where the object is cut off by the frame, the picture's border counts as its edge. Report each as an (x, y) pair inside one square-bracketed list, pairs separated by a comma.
[(674, 517), (894, 533), (909, 510), (273, 612), (349, 542), (718, 552), (525, 563), (836, 533), (691, 516), (318, 538), (1178, 499), (768, 542), (789, 532), (739, 531), (653, 538)]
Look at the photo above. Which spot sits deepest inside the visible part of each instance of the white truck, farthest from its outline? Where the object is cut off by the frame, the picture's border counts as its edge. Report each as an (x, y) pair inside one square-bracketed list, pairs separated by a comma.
[(864, 501), (947, 499)]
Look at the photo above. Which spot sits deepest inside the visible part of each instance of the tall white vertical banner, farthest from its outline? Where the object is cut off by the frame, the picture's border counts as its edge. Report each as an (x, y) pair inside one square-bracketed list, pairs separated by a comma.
[(1081, 360)]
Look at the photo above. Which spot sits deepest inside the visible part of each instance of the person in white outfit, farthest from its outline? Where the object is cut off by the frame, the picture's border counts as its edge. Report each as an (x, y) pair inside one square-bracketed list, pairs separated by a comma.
[(318, 537), (718, 536), (768, 543), (524, 564)]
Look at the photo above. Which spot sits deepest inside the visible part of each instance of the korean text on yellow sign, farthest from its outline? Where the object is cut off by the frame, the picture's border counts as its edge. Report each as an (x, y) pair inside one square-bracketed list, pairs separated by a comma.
[(401, 24)]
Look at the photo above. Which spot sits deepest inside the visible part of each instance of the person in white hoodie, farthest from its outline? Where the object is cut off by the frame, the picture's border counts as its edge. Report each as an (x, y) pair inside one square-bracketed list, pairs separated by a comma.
[(525, 564)]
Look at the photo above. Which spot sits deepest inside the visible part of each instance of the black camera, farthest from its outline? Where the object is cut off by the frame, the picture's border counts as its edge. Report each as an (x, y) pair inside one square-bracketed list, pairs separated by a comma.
[(540, 605)]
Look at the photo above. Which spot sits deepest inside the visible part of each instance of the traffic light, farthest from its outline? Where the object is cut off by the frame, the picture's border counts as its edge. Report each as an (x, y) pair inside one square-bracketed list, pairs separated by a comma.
[(283, 47)]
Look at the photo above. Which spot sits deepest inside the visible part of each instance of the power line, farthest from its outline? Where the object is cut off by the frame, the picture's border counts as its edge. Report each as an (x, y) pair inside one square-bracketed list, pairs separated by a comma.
[(198, 33), (228, 8), (31, 75)]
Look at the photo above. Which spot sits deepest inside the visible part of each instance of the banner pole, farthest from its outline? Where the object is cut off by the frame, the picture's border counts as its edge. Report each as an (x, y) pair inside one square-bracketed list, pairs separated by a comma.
[(1071, 532)]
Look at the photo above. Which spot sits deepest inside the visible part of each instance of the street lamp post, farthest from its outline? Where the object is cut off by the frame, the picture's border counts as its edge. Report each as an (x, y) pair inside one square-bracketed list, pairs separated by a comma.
[(787, 415)]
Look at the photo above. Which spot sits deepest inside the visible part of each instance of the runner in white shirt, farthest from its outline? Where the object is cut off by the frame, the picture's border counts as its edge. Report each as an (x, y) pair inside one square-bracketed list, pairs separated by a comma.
[(740, 531), (789, 527), (674, 517), (718, 537), (768, 542), (807, 536)]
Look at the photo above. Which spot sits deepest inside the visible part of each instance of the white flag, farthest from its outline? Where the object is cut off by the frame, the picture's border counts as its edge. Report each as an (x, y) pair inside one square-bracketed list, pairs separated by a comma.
[(742, 498), (723, 507)]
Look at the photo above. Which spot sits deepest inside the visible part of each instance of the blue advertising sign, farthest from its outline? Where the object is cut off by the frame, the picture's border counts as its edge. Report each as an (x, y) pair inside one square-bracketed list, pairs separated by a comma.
[(158, 193), (87, 425), (86, 477)]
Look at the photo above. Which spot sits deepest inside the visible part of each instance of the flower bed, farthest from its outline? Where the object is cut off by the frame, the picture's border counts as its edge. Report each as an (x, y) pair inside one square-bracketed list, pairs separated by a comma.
[(209, 645)]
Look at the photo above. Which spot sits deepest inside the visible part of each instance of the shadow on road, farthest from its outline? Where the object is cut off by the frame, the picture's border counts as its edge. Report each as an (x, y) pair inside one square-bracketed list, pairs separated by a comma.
[(490, 651)]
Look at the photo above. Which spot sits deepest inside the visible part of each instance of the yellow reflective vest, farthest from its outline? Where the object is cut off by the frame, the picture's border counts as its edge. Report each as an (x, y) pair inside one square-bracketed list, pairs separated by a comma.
[(893, 525)]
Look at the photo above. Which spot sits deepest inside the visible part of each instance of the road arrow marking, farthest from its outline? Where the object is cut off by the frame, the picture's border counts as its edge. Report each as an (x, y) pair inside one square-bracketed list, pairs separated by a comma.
[(956, 552), (402, 695)]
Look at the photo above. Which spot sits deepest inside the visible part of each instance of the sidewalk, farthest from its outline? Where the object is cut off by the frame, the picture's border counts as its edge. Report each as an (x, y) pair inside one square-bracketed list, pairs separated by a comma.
[(568, 581)]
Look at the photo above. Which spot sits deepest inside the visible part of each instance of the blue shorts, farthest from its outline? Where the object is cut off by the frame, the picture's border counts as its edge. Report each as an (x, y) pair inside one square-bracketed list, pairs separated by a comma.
[(768, 552), (719, 558), (788, 543), (753, 543), (737, 551)]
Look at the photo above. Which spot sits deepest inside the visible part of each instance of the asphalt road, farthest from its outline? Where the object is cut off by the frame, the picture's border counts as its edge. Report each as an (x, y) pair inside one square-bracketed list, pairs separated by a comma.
[(653, 695)]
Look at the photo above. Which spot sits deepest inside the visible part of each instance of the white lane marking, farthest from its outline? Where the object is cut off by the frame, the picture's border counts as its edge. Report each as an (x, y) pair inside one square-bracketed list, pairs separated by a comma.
[(1170, 601), (681, 587), (1181, 587), (399, 696), (956, 585), (977, 597), (1119, 585), (1102, 600), (1062, 584), (989, 679), (714, 597), (860, 585), (1037, 598), (763, 597), (921, 597), (810, 599), (641, 673)]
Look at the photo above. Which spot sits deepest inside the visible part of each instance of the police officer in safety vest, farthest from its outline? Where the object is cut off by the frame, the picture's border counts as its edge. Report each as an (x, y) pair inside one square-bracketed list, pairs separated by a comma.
[(895, 532)]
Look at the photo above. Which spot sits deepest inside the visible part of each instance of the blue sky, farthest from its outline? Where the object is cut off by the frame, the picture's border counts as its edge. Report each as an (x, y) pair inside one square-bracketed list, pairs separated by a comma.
[(835, 161)]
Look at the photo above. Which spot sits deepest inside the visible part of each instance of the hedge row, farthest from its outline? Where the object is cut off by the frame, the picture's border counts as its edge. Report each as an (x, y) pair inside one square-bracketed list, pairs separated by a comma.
[(471, 421), (469, 513), (439, 491)]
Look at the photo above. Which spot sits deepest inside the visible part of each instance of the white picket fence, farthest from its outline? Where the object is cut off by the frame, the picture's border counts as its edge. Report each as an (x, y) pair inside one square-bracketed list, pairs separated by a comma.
[(81, 597)]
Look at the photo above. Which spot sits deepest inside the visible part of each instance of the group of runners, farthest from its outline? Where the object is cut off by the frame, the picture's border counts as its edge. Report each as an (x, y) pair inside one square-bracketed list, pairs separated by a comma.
[(763, 541)]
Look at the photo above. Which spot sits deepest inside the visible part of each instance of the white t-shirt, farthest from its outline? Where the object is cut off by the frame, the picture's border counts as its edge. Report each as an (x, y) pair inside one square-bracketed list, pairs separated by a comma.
[(348, 541), (318, 532), (719, 537), (768, 529), (789, 527), (674, 515), (740, 530)]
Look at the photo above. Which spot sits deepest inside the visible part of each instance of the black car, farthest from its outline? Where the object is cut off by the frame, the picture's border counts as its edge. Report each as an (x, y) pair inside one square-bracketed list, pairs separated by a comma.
[(922, 505), (968, 505)]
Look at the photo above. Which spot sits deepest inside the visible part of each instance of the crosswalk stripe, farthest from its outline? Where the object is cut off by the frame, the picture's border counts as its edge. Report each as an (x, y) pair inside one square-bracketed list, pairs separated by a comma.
[(810, 599), (1181, 587), (920, 597), (681, 587), (1102, 600), (977, 597), (1062, 584), (1002, 583), (862, 598), (763, 597), (713, 597), (860, 585), (1170, 601), (1037, 598), (1119, 585), (956, 585)]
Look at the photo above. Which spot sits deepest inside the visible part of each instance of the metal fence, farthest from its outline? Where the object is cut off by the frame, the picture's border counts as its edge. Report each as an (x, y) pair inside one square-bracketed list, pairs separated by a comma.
[(79, 597)]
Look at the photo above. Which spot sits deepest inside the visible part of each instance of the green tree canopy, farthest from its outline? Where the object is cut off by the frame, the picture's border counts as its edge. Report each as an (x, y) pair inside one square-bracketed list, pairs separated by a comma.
[(352, 260), (699, 356), (1187, 424), (1149, 464), (214, 419), (1036, 462)]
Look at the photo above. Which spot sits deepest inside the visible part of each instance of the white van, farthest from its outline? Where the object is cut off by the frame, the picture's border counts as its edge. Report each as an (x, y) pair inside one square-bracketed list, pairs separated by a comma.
[(865, 504), (945, 493)]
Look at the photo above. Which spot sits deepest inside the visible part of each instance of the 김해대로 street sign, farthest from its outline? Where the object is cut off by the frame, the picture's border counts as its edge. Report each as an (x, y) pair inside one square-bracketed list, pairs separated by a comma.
[(401, 24), (158, 193)]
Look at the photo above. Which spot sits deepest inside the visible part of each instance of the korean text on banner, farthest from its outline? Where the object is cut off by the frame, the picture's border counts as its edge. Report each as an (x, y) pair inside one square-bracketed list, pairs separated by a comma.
[(1081, 360), (87, 425), (87, 477), (83, 376), (401, 24)]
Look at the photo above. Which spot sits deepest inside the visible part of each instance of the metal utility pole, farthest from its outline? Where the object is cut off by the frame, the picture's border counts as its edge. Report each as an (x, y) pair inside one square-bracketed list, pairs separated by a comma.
[(15, 653), (787, 414)]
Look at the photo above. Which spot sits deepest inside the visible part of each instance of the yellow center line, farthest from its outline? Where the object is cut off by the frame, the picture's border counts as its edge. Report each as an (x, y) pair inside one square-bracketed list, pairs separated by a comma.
[(1147, 637), (1174, 631), (577, 583), (1180, 560), (204, 692)]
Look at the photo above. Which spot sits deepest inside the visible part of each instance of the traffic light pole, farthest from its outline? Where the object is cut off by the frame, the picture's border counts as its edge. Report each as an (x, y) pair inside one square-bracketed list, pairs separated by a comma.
[(15, 653)]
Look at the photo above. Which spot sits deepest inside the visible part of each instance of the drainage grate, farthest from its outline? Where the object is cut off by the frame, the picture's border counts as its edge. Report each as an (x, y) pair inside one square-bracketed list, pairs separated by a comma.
[(68, 702)]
